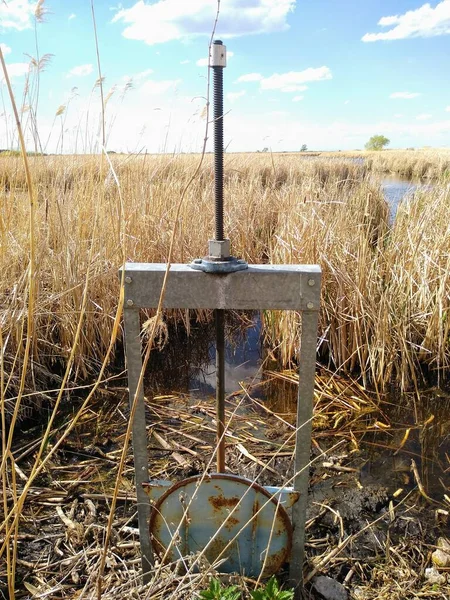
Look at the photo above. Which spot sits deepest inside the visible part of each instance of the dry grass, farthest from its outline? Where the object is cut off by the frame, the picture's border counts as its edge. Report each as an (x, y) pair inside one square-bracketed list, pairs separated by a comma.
[(412, 164), (384, 303), (385, 293), (427, 163)]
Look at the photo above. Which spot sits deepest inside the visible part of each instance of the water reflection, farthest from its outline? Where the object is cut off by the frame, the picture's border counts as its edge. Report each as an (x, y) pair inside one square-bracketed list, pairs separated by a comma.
[(187, 363), (242, 360), (416, 428), (419, 431)]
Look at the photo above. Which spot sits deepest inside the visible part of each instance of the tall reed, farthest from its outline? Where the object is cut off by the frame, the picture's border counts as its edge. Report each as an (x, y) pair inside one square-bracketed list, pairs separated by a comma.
[(278, 209), (411, 164)]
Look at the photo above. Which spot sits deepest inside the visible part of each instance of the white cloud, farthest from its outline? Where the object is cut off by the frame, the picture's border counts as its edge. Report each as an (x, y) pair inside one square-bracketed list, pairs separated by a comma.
[(15, 70), (167, 20), (233, 96), (184, 62), (203, 62), (293, 80), (158, 88), (448, 109), (290, 88), (16, 14), (71, 16), (423, 117), (404, 95), (425, 21), (5, 49), (179, 126), (297, 98), (137, 77), (249, 77), (398, 116), (347, 102), (80, 71)]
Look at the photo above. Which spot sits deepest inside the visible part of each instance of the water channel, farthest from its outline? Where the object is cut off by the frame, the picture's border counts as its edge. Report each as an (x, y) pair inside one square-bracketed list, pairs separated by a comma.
[(417, 428)]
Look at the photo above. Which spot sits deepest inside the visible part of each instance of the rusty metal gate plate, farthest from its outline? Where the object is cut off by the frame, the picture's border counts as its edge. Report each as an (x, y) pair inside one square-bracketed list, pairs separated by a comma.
[(228, 518)]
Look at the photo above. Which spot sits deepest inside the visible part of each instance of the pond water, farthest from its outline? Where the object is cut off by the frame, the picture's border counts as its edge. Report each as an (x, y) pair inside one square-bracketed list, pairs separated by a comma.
[(410, 428), (395, 189)]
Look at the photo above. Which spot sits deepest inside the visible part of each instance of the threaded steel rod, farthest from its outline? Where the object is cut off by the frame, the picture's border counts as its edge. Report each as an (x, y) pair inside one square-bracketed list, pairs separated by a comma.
[(219, 316), (218, 147)]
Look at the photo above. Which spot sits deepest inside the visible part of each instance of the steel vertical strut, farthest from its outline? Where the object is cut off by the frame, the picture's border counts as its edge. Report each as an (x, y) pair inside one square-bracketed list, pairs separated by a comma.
[(219, 316)]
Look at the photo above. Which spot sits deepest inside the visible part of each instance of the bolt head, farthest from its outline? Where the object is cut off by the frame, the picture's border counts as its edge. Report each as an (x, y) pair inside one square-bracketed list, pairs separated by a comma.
[(128, 279), (311, 282), (130, 302), (310, 305)]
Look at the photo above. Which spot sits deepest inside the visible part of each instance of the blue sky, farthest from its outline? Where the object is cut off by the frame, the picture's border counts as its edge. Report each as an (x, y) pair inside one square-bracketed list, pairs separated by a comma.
[(325, 73)]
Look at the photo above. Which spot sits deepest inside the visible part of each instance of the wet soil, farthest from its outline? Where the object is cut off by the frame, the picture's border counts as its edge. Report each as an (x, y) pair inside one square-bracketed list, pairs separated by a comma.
[(364, 496)]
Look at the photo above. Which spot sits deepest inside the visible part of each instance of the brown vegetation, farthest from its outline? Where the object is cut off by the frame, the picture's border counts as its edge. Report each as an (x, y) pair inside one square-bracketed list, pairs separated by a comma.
[(385, 291), (384, 311)]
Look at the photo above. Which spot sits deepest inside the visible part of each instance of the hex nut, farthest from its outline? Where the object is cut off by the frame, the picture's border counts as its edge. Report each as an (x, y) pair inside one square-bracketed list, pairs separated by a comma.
[(219, 249), (128, 279), (310, 305), (130, 302), (218, 55), (311, 282)]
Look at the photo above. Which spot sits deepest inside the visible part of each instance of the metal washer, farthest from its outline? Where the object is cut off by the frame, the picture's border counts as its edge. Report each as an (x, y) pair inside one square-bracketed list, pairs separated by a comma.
[(208, 265)]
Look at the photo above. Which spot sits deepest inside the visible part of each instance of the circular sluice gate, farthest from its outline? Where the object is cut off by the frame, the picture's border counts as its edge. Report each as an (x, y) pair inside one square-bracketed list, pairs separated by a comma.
[(230, 519)]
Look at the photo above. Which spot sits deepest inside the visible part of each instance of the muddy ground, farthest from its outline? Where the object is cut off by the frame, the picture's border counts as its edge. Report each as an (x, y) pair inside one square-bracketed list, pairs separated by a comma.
[(370, 527)]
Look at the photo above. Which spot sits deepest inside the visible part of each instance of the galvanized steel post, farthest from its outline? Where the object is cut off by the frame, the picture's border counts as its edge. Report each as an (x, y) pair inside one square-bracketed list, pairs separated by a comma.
[(308, 343), (133, 353)]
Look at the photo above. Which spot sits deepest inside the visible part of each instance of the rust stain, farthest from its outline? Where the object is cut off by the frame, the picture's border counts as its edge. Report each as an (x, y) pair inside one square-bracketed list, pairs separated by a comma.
[(231, 522), (216, 549), (219, 502), (255, 518), (274, 562)]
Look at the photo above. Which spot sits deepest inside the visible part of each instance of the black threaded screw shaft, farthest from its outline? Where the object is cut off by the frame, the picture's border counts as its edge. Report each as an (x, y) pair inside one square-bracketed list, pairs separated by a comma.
[(218, 147)]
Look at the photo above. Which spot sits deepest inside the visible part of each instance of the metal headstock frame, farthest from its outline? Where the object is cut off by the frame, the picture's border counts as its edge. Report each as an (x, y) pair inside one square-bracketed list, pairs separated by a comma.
[(221, 282)]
